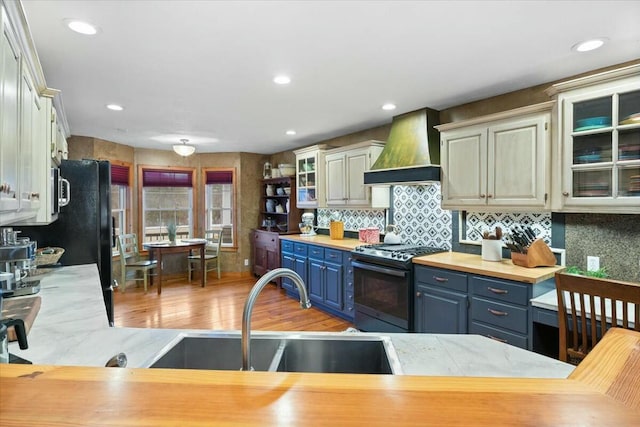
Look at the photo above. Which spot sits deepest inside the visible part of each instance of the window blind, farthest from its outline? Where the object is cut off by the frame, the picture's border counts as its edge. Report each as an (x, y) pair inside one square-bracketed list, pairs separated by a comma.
[(166, 178), (219, 177), (119, 175)]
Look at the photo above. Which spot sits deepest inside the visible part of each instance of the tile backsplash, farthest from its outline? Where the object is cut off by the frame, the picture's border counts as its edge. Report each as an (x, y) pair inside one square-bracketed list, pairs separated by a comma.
[(419, 216), (353, 219), (478, 222)]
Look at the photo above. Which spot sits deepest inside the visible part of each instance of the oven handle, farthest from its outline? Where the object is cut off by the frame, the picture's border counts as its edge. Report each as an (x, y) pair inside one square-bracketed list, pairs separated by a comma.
[(382, 270)]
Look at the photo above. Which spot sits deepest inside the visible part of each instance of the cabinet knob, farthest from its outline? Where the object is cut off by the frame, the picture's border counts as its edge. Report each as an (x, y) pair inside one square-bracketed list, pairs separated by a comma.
[(489, 196), (418, 294), (565, 193), (482, 196)]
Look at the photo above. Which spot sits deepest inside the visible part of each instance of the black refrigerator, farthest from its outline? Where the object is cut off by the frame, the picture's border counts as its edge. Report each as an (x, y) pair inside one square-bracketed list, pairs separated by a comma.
[(84, 227)]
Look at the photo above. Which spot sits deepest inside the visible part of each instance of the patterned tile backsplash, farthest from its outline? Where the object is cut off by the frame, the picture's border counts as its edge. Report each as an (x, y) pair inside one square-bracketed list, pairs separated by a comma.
[(419, 217), (422, 221), (354, 219), (476, 223)]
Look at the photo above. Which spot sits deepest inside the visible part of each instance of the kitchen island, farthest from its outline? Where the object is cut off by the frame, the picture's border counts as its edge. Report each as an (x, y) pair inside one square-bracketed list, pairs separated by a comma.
[(445, 382)]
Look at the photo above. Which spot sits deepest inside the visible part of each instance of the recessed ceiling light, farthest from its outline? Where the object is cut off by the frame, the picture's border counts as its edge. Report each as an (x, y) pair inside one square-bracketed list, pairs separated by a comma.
[(291, 132), (115, 107), (588, 45), (81, 27), (282, 80), (388, 106)]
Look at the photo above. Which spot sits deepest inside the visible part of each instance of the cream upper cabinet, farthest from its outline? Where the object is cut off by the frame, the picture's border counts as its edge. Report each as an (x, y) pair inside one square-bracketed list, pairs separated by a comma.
[(499, 161), (599, 150), (10, 58), (345, 173), (310, 177)]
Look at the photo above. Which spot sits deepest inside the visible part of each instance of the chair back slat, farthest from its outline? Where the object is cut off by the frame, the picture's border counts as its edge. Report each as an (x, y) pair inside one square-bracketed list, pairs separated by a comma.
[(585, 304)]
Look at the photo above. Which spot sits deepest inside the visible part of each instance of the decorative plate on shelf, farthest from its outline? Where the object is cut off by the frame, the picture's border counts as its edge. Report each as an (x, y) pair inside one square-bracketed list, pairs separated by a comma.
[(632, 119), (592, 123)]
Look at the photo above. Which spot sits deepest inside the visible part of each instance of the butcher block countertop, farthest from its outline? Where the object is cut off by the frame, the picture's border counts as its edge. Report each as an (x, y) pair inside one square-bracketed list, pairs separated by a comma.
[(323, 240), (88, 396), (470, 263)]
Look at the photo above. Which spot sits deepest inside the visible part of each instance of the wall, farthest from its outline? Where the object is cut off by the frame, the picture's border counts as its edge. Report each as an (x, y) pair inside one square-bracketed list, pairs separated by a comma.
[(248, 172)]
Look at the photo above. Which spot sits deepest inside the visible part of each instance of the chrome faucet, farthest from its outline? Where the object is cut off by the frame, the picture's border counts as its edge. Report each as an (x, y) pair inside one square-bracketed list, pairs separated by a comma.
[(251, 299)]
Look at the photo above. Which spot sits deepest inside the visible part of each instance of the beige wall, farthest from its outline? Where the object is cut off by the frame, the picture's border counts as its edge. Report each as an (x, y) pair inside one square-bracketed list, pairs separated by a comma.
[(248, 172)]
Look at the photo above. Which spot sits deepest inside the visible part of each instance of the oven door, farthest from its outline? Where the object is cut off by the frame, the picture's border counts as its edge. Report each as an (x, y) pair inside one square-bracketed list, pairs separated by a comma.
[(382, 298)]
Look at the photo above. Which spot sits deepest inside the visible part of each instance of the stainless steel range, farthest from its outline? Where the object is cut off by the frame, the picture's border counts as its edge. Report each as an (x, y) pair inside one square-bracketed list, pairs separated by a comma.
[(383, 286)]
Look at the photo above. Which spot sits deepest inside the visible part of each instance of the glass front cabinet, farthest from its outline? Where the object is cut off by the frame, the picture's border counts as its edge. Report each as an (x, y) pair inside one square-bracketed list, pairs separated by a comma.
[(599, 135), (310, 177)]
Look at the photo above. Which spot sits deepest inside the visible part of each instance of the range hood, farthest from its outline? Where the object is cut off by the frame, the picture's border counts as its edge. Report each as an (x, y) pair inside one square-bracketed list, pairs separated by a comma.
[(412, 152)]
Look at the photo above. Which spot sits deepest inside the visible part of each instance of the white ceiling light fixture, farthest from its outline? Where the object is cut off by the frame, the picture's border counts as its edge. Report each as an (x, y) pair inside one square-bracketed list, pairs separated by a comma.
[(588, 45), (81, 27), (282, 80), (183, 149), (389, 106), (115, 107), (291, 132)]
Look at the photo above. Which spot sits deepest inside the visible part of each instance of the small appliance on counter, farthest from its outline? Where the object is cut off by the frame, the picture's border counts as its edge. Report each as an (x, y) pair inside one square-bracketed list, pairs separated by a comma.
[(17, 256), (20, 332), (306, 226)]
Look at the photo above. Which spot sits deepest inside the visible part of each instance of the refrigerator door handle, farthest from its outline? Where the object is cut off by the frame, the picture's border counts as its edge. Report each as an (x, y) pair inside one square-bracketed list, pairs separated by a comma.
[(65, 192)]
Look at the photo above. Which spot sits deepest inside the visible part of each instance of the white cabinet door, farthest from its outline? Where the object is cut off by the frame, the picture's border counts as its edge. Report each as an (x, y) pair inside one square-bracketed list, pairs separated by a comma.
[(357, 165), (516, 162), (464, 167), (336, 177), (9, 117), (497, 162)]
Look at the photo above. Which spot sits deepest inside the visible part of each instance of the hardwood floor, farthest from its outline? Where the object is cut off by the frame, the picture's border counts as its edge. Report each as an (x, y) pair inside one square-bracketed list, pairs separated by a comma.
[(217, 306)]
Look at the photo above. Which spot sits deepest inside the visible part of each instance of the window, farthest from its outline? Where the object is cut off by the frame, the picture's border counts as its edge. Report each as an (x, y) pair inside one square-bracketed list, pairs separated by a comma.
[(167, 197), (220, 203), (120, 198)]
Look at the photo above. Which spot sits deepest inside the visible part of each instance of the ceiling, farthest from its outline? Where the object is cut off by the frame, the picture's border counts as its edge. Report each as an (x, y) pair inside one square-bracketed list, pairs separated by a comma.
[(203, 70)]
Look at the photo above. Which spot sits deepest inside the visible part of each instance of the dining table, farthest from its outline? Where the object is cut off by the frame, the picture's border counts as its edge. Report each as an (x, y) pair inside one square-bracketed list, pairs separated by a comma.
[(157, 250)]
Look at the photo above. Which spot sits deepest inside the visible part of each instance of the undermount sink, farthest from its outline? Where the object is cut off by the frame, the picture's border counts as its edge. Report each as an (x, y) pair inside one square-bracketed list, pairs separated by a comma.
[(349, 353)]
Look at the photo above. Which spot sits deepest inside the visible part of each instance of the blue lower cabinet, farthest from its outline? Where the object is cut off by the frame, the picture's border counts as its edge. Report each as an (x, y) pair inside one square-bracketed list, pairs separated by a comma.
[(325, 272), (440, 311)]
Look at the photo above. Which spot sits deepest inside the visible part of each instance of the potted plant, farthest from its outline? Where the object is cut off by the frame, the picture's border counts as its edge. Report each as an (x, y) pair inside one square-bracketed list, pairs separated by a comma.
[(171, 231), (599, 273)]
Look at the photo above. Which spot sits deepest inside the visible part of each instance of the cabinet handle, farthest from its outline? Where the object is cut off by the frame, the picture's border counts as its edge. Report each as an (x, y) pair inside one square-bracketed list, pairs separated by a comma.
[(497, 313), (489, 196), (497, 339), (498, 291), (482, 196), (440, 279), (565, 193), (418, 294)]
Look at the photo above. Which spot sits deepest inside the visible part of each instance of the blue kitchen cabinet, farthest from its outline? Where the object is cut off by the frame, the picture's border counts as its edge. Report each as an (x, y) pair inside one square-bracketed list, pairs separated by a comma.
[(327, 274), (441, 302), (293, 256)]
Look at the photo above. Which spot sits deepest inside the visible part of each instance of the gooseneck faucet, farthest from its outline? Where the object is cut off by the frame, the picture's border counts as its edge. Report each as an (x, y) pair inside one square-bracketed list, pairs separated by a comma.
[(251, 299)]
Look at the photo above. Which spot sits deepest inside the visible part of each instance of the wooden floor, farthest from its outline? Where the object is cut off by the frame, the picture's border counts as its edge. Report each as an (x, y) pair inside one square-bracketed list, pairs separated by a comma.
[(217, 306)]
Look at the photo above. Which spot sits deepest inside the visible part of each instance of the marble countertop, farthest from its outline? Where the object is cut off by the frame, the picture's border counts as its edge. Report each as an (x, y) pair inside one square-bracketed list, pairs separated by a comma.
[(72, 329)]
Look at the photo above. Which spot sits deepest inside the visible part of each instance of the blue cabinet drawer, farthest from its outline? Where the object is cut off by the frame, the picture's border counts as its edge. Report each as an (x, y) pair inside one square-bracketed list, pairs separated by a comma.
[(443, 278), (300, 249), (333, 255), (500, 290), (286, 246), (507, 316), (499, 335), (315, 252)]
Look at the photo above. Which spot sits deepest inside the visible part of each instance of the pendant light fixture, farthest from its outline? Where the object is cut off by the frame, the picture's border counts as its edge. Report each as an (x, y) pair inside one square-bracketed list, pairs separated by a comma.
[(184, 149)]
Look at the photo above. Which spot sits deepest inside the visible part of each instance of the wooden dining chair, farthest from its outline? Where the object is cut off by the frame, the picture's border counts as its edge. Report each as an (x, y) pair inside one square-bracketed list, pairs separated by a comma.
[(588, 307), (211, 255), (131, 261)]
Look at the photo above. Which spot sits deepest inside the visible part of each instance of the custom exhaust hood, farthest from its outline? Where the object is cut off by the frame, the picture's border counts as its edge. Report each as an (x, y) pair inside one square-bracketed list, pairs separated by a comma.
[(412, 152)]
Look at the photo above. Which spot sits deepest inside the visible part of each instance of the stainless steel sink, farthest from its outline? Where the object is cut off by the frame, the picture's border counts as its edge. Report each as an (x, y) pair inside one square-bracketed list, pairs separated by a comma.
[(348, 353), (215, 352)]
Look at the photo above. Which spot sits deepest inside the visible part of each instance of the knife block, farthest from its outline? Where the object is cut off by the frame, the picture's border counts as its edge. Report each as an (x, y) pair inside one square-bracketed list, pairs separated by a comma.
[(538, 255)]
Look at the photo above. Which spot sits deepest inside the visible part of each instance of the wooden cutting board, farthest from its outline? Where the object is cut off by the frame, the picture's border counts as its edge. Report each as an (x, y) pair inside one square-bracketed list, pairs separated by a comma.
[(22, 308)]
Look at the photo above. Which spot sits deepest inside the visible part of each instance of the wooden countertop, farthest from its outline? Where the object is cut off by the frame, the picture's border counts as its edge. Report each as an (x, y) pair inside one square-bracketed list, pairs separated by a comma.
[(324, 240), (73, 396), (470, 263)]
